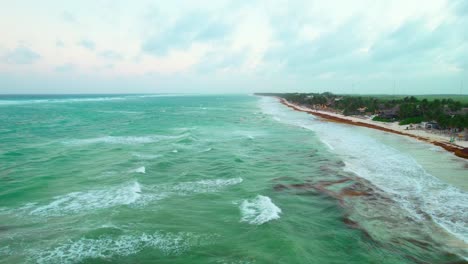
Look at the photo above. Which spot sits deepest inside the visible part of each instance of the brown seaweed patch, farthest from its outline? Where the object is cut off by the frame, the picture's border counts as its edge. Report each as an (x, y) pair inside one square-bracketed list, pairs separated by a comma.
[(340, 163), (349, 192), (280, 187), (308, 193), (326, 168), (302, 186), (353, 224), (328, 183), (350, 222), (357, 189), (283, 178)]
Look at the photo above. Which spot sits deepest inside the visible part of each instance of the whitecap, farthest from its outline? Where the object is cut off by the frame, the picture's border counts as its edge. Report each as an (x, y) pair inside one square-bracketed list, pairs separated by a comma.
[(259, 210), (121, 112), (107, 247), (62, 100), (129, 194), (164, 95), (6, 251), (147, 156), (141, 169), (76, 202), (206, 150), (125, 140), (129, 140), (203, 186), (398, 174)]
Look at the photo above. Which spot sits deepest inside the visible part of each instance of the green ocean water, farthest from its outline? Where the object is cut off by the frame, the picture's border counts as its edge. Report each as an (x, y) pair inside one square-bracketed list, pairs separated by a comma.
[(218, 179)]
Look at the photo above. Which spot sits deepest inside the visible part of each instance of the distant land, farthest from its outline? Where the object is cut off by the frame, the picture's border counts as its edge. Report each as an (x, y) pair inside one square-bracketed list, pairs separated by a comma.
[(439, 119)]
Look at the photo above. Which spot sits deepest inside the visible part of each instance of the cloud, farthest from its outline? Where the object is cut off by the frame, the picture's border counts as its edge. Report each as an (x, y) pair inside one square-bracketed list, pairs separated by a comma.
[(87, 44), (190, 28), (215, 61), (411, 40), (110, 55), (68, 17), (227, 43), (21, 55), (460, 7), (68, 67), (59, 44), (316, 52)]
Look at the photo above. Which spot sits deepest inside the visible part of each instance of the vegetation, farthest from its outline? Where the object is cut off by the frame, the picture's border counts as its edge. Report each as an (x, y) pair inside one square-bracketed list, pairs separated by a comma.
[(412, 120), (447, 112), (381, 119)]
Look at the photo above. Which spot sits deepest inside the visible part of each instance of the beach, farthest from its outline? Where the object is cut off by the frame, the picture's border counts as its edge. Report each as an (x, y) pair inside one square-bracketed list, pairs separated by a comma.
[(218, 179), (459, 148)]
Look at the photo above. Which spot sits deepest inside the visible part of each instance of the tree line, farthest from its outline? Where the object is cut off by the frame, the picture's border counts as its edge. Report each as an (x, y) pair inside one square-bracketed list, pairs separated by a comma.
[(448, 113)]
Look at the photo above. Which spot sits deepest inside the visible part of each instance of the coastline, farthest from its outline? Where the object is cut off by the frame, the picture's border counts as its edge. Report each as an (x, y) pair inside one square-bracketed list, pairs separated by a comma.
[(460, 150)]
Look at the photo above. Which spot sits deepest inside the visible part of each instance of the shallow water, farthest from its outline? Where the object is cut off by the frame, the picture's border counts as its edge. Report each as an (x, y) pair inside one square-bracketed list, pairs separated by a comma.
[(217, 179)]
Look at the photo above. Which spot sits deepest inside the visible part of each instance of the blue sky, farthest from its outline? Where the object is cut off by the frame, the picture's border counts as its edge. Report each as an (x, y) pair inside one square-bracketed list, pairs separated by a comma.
[(362, 46)]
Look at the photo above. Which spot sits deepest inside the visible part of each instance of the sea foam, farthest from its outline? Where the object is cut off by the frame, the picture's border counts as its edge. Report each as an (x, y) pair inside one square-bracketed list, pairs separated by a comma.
[(141, 169), (146, 156), (125, 140), (203, 186), (259, 210), (62, 100), (130, 140), (421, 194), (76, 202), (129, 194), (108, 247)]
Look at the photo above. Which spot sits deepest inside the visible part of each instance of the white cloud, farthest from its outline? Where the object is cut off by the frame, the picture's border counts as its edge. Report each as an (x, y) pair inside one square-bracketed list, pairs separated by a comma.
[(283, 39)]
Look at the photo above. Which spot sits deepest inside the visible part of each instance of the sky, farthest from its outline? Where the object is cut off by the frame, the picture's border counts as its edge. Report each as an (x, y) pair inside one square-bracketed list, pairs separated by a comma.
[(116, 46)]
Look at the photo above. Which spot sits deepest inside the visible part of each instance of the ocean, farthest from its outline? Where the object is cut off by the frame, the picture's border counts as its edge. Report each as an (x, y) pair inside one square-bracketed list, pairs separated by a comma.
[(218, 179)]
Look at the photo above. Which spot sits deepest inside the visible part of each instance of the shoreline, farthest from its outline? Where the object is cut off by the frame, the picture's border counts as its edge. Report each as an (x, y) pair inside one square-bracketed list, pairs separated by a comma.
[(460, 151)]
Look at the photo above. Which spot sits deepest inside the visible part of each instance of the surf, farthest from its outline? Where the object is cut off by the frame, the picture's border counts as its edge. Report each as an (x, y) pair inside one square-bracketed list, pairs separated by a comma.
[(85, 201), (259, 210), (419, 193)]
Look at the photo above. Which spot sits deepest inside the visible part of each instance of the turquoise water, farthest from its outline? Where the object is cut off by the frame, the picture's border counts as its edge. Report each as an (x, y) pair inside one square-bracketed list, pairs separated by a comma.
[(217, 179)]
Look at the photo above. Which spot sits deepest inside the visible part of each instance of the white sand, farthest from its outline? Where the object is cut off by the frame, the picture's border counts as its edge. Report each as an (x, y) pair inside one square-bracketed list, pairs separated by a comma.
[(392, 126)]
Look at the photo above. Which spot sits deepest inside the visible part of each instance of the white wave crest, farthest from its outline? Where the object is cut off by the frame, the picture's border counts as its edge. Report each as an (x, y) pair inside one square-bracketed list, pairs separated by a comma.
[(130, 194), (113, 140), (396, 173), (259, 210), (91, 200), (206, 150), (204, 186), (146, 156), (141, 169), (108, 247), (63, 100), (126, 140)]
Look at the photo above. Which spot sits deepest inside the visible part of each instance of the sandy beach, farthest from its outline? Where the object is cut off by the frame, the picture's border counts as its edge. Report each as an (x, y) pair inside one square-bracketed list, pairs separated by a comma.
[(459, 148)]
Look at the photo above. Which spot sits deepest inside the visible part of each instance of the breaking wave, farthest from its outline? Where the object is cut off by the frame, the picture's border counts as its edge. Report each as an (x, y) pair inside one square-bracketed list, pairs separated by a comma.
[(259, 210), (141, 169), (204, 186), (421, 194), (109, 247), (126, 140), (129, 194), (62, 100), (146, 156), (76, 202)]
